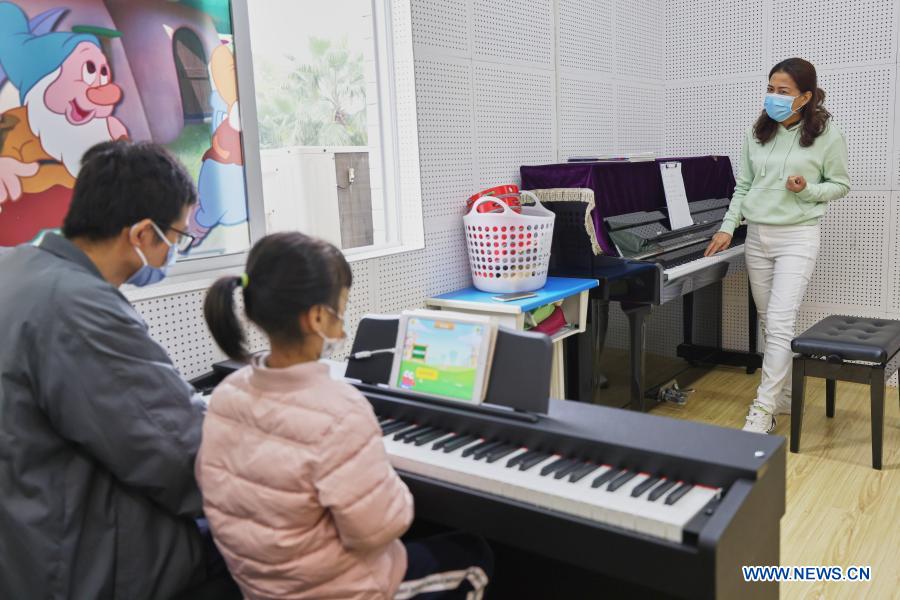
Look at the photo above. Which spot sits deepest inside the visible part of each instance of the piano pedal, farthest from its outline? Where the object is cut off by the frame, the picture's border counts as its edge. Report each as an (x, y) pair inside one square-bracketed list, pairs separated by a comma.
[(673, 394)]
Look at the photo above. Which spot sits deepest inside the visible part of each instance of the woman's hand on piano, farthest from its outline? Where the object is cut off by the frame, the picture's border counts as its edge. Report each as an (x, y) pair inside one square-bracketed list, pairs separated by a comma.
[(719, 242)]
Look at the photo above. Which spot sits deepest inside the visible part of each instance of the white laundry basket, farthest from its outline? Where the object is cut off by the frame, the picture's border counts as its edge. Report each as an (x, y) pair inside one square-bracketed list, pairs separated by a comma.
[(508, 251)]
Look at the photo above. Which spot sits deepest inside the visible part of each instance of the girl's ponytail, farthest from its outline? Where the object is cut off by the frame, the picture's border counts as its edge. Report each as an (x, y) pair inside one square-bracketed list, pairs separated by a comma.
[(218, 309), (287, 274)]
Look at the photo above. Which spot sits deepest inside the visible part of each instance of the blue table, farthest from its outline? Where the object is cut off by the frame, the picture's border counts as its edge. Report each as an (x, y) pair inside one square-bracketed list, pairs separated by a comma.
[(573, 293)]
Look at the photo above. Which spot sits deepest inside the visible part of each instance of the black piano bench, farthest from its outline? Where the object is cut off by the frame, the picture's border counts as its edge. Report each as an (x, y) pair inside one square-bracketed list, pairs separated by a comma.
[(853, 349)]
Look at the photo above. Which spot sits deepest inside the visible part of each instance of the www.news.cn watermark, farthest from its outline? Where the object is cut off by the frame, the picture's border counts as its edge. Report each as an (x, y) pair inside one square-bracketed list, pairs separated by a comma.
[(808, 573)]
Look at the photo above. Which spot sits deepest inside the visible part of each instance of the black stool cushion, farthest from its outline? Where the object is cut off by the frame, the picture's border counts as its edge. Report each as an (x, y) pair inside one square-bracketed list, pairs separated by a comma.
[(851, 338)]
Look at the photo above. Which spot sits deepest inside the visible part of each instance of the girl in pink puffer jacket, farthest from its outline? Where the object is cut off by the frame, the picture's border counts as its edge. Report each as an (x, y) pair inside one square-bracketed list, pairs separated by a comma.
[(297, 487)]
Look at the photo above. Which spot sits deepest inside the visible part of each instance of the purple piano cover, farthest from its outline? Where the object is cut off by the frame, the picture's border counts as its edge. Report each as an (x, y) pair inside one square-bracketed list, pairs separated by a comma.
[(627, 187)]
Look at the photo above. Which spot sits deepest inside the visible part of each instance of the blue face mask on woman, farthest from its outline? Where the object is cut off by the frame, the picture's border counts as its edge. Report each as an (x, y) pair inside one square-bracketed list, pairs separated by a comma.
[(779, 106), (148, 274)]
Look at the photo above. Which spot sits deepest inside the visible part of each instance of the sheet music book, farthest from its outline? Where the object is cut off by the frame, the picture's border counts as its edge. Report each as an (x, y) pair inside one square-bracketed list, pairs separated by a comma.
[(676, 197), (609, 158)]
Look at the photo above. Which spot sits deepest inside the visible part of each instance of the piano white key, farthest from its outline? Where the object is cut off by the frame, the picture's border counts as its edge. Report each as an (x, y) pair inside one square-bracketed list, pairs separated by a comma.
[(703, 262), (617, 508)]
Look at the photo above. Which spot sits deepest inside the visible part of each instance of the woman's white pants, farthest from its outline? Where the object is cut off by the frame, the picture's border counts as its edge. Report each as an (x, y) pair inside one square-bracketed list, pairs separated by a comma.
[(780, 261)]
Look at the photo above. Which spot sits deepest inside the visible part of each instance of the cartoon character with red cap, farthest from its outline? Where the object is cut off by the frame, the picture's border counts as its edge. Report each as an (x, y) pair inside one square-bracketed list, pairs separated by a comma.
[(68, 96)]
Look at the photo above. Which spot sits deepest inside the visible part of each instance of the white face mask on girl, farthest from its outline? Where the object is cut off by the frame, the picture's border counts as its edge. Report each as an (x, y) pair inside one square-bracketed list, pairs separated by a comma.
[(332, 346)]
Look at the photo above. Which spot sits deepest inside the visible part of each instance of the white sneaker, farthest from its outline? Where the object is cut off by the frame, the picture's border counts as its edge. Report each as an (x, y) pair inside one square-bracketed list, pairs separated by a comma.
[(759, 421)]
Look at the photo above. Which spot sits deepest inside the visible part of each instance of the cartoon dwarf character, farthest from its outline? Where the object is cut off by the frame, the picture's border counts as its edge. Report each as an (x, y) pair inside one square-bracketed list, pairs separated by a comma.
[(67, 97), (221, 183)]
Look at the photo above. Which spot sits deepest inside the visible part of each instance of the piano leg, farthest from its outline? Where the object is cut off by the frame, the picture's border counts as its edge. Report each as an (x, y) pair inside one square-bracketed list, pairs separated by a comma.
[(637, 327), (687, 323), (600, 319), (715, 354), (583, 354)]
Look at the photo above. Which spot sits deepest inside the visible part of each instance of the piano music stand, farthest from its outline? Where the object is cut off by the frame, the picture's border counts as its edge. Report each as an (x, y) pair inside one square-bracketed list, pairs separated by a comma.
[(520, 371)]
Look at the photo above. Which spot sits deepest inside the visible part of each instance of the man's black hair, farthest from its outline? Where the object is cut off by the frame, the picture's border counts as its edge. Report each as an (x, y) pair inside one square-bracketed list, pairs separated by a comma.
[(122, 183)]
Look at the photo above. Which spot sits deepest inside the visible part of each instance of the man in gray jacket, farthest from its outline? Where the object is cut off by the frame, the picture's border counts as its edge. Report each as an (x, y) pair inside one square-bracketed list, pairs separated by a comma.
[(98, 434)]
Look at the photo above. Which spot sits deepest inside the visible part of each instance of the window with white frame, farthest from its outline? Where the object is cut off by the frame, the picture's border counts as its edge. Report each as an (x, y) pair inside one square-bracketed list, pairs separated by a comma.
[(335, 95)]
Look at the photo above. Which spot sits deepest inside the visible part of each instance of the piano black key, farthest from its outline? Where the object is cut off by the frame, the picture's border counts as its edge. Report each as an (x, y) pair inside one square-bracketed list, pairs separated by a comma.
[(606, 476), (399, 437), (395, 426), (520, 457), (382, 421), (661, 489), (473, 449), (582, 472), (498, 453), (414, 436), (574, 465), (644, 486), (459, 442), (678, 493), (485, 450), (538, 457), (555, 465), (430, 437), (440, 444), (621, 480)]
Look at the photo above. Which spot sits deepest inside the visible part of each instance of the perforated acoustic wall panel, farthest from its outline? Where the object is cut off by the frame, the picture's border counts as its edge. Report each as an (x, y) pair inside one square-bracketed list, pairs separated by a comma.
[(446, 133), (893, 269), (442, 25), (587, 117), (735, 308), (640, 40), (586, 38), (708, 39), (710, 118), (611, 77), (514, 121), (177, 323), (516, 32), (852, 257), (639, 120), (862, 103), (860, 32)]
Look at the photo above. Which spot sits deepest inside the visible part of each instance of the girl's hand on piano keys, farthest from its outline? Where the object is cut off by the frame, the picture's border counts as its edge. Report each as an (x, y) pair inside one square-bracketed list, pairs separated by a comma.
[(796, 183), (719, 242)]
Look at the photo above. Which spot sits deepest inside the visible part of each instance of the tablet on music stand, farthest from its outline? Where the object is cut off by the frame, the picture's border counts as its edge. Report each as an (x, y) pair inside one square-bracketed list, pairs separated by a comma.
[(444, 354)]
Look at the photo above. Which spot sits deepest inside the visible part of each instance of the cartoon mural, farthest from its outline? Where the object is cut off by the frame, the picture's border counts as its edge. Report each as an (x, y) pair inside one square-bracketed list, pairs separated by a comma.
[(221, 183), (74, 73)]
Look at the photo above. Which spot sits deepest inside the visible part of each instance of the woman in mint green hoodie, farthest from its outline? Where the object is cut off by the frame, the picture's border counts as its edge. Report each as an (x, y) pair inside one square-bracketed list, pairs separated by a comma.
[(793, 162)]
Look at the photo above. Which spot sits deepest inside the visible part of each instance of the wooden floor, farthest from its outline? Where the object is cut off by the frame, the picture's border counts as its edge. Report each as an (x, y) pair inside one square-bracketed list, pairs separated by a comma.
[(840, 511)]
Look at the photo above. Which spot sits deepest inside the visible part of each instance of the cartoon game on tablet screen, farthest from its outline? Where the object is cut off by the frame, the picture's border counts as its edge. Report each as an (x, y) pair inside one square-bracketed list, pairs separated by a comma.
[(444, 357)]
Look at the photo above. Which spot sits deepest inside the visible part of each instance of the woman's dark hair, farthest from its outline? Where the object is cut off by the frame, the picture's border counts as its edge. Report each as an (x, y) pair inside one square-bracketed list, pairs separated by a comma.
[(287, 274), (813, 116), (122, 183)]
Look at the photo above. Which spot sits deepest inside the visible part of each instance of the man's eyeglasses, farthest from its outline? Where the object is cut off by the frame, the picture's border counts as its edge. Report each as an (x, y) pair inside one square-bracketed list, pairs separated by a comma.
[(184, 241)]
